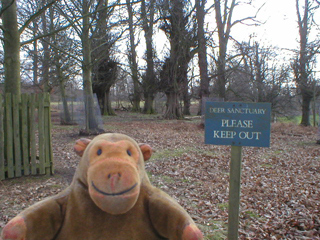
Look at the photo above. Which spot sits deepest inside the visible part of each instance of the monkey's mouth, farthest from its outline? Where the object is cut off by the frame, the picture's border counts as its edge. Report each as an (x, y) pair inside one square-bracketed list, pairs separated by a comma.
[(113, 194)]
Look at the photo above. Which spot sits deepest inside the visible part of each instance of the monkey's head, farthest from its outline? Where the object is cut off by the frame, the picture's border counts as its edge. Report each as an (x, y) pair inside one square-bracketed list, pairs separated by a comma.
[(112, 166)]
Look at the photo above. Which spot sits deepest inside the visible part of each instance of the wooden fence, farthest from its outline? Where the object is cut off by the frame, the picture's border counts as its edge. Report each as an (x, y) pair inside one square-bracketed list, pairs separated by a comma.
[(25, 135)]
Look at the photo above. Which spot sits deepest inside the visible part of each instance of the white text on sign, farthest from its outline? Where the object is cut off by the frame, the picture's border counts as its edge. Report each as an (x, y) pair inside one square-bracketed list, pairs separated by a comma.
[(233, 123), (260, 111), (237, 123), (232, 134)]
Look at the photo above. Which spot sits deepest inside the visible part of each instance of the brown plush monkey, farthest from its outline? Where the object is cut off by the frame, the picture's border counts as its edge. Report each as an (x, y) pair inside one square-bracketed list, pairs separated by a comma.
[(110, 198)]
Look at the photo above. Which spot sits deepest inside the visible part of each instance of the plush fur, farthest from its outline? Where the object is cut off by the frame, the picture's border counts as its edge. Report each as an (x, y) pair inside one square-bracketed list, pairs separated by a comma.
[(110, 197)]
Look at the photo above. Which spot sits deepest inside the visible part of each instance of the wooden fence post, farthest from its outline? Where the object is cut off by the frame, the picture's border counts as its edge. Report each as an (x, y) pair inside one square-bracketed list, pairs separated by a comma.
[(47, 132), (24, 134), (9, 138), (2, 166), (16, 134), (41, 134), (32, 132)]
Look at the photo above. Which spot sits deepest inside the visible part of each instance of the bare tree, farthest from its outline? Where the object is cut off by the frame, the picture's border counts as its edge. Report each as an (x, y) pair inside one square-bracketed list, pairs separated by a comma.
[(302, 65), (173, 76), (11, 40), (223, 15), (105, 68), (46, 61), (64, 67), (133, 59), (259, 77), (91, 121), (149, 81), (87, 11), (202, 52)]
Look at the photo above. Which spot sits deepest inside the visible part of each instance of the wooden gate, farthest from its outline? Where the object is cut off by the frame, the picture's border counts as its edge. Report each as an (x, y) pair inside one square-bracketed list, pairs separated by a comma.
[(25, 135)]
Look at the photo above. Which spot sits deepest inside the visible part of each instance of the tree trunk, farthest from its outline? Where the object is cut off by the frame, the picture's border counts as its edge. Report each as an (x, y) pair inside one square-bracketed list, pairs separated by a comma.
[(149, 85), (172, 106), (221, 78), (136, 97), (259, 74), (90, 115), (186, 104), (35, 63), (11, 48), (185, 88), (149, 101), (202, 54), (224, 27), (302, 79), (66, 120), (133, 62), (108, 110), (174, 73), (306, 100), (46, 56), (91, 124)]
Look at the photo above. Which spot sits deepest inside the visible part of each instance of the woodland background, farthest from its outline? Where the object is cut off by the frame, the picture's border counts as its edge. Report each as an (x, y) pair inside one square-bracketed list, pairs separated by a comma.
[(111, 48)]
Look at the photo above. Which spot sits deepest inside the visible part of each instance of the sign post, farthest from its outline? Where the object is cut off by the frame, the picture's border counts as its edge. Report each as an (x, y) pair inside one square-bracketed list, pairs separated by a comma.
[(234, 192), (237, 124)]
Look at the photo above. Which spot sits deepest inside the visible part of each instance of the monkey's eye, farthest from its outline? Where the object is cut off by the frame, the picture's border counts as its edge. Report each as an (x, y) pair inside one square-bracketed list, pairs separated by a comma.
[(99, 152), (129, 152)]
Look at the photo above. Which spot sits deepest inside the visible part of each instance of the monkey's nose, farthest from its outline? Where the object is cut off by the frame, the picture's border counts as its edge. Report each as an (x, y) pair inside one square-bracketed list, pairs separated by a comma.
[(114, 175), (114, 180)]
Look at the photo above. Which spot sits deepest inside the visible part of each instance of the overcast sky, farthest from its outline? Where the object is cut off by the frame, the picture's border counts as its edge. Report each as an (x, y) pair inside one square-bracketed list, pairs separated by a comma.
[(280, 22)]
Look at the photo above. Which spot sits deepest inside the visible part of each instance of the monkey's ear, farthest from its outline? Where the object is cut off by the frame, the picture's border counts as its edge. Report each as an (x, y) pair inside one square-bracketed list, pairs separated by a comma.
[(146, 151), (80, 145)]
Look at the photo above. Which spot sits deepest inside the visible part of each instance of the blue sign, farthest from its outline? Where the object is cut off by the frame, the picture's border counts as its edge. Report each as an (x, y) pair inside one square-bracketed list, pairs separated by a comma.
[(238, 124)]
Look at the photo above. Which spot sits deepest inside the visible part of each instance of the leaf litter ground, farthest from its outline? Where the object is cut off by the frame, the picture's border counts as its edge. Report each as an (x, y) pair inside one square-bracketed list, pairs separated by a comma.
[(280, 185)]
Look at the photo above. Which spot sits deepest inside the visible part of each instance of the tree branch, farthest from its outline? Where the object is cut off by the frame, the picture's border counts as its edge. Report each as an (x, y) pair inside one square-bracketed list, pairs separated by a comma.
[(44, 35), (5, 8), (61, 50), (36, 14), (249, 18), (71, 22)]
